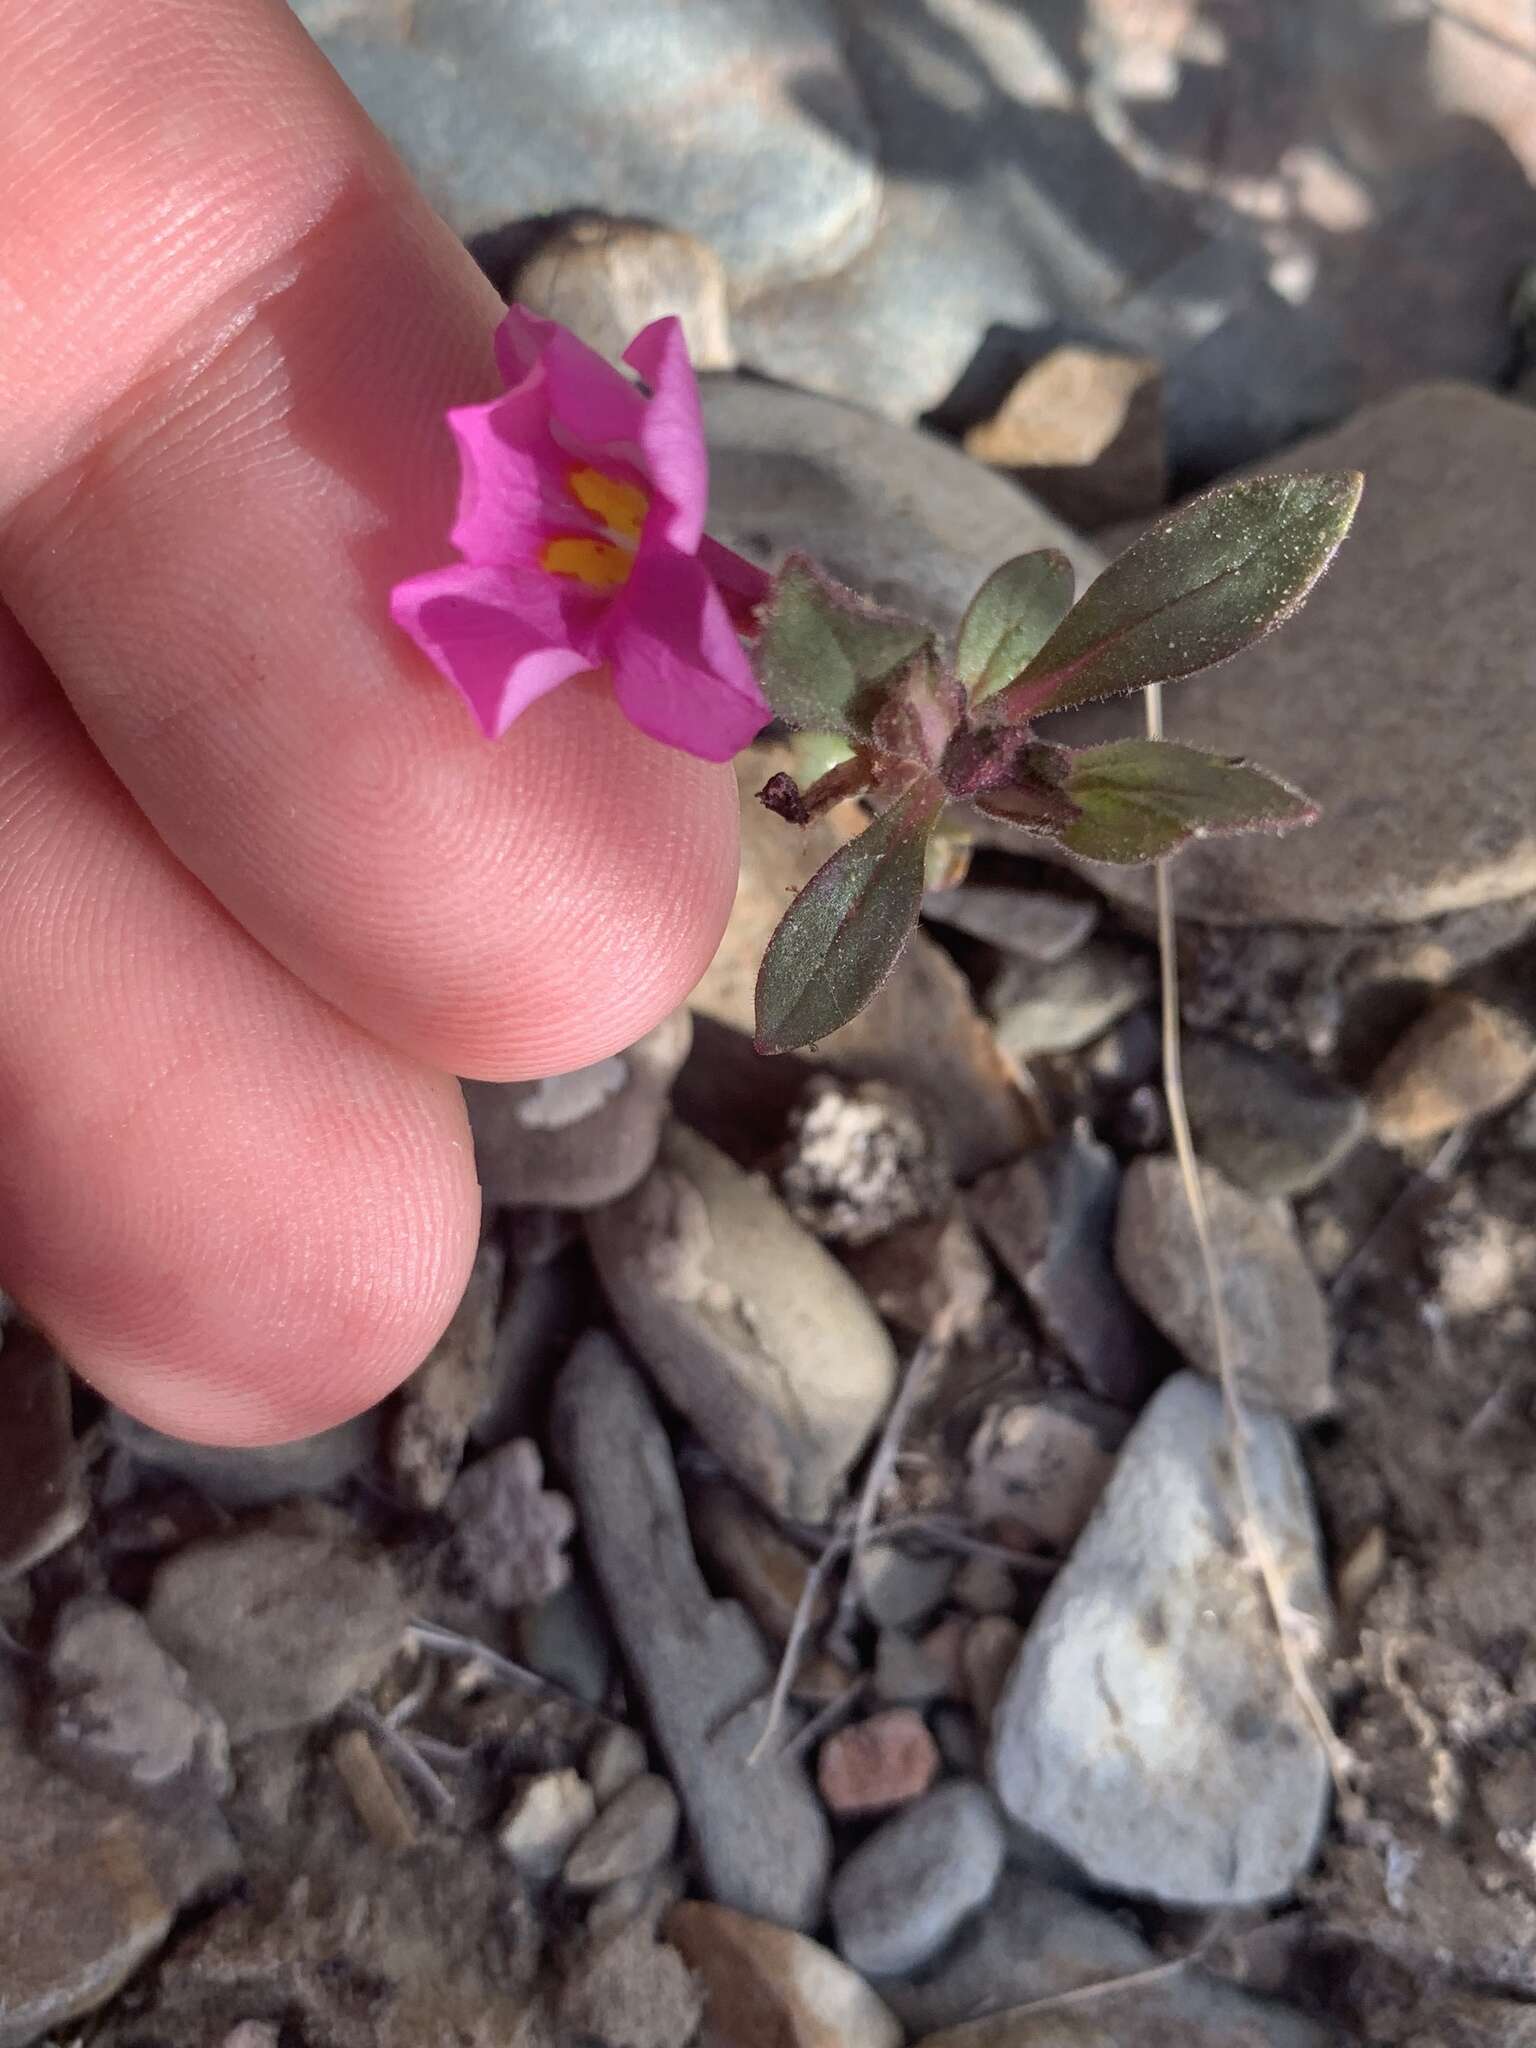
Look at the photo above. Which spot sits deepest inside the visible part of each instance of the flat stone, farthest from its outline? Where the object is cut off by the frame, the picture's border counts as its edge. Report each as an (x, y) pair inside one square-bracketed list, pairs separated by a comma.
[(1150, 1730), (616, 1758), (1036, 1468), (1276, 1318), (1030, 924), (255, 1475), (576, 1140), (436, 1408), (859, 1162), (1427, 602), (607, 279), (1267, 1123), (1058, 1009), (1465, 1057), (986, 1586), (510, 1533), (765, 1987), (751, 1558), (121, 1711), (871, 1766), (748, 1325), (1083, 429), (702, 120), (277, 1623), (892, 511), (1050, 1217), (1035, 1941), (43, 1499), (700, 1667), (922, 1032), (905, 1890), (547, 1815), (632, 1834)]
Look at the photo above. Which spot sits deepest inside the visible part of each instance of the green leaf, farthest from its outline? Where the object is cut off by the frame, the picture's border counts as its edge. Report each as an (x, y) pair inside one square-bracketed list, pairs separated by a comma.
[(1200, 585), (1140, 799), (840, 937), (827, 661), (1010, 619)]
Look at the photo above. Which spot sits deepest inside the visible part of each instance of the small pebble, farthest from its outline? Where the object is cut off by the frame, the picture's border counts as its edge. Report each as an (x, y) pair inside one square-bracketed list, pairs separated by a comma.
[(897, 1587), (629, 1837), (1057, 1009), (908, 1673), (617, 1757), (985, 1585), (991, 1650), (904, 1891), (1463, 1058), (547, 1816), (877, 1764)]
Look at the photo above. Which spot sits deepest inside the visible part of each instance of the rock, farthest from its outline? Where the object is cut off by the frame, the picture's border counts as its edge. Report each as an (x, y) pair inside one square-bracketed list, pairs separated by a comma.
[(767, 1988), (1036, 1941), (1165, 1753), (616, 1758), (1267, 1123), (89, 1889), (1057, 1009), (566, 1638), (547, 1816), (768, 155), (751, 1558), (544, 1312), (1276, 1318), (987, 1657), (1083, 429), (859, 1162), (888, 1760), (904, 1891), (1415, 822), (922, 1032), (749, 1327), (122, 1713), (607, 279), (898, 1587), (255, 1475), (510, 1534), (1029, 924), (759, 1835), (986, 1586), (1036, 1468), (959, 1740), (633, 1833), (625, 1989), (891, 511), (438, 1404), (913, 1674), (1463, 1058), (923, 1271), (1050, 1217), (43, 1499), (577, 1140), (646, 1899), (277, 1623)]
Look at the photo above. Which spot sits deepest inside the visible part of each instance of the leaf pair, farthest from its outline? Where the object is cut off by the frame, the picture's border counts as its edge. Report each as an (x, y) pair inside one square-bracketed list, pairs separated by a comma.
[(1203, 583)]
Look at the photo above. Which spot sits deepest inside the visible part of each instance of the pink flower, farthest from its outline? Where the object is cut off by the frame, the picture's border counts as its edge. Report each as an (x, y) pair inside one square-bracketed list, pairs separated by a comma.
[(581, 528)]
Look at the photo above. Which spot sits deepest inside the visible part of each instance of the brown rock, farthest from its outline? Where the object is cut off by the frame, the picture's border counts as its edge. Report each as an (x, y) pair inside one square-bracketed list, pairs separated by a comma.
[(877, 1764), (767, 1988), (925, 1270), (1463, 1058), (1037, 1468), (606, 279), (42, 1485), (439, 1402), (761, 1567), (991, 1646), (1083, 430)]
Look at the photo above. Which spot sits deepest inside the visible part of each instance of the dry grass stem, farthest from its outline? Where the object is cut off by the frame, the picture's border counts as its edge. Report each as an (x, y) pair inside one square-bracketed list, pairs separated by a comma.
[(408, 1759), (372, 1790)]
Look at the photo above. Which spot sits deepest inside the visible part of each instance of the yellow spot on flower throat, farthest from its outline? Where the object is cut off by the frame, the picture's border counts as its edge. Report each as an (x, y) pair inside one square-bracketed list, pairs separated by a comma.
[(600, 564), (621, 507)]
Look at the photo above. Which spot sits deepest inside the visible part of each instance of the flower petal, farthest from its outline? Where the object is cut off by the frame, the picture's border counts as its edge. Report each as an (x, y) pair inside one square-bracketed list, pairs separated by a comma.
[(740, 582), (502, 637), (672, 431), (679, 672), (597, 405), (513, 487)]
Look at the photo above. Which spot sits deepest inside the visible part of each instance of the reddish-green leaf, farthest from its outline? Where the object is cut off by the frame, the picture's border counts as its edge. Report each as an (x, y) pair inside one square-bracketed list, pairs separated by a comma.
[(1140, 799), (826, 659), (1196, 588), (840, 937), (1010, 619)]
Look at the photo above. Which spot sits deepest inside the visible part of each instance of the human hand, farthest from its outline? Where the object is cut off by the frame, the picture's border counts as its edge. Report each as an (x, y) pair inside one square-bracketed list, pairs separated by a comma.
[(266, 889)]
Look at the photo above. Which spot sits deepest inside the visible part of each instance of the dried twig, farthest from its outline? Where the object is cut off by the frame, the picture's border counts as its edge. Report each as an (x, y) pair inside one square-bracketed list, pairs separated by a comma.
[(799, 1629), (831, 1716), (374, 1794), (430, 1635), (944, 1534), (410, 1762), (1108, 1987)]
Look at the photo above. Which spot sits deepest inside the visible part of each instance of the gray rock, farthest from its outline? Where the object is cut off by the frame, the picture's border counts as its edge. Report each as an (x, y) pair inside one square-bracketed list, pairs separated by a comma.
[(510, 1534), (1276, 1318), (1425, 603), (43, 1500), (607, 279), (1267, 1123), (1050, 1217), (255, 1475), (906, 1672), (124, 1713), (545, 1818), (544, 1312), (750, 1328), (905, 1890), (896, 513), (1149, 1729), (759, 1834), (1032, 924), (576, 1140), (1037, 1467), (859, 1162), (438, 1404), (1057, 1009), (278, 1622), (633, 1833), (566, 1639), (699, 117), (1035, 1941), (616, 1759), (898, 1587)]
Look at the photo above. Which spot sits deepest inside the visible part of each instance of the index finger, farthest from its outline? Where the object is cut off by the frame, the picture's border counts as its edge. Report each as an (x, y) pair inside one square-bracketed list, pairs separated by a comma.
[(231, 331)]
